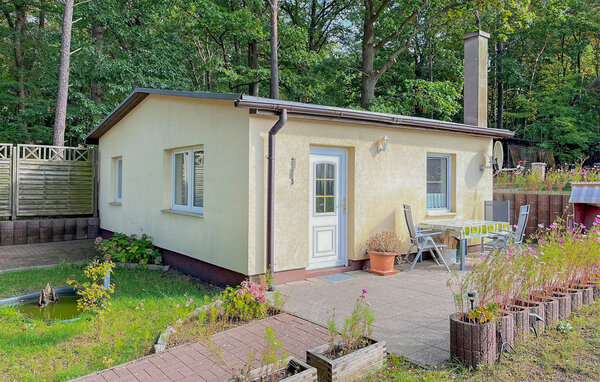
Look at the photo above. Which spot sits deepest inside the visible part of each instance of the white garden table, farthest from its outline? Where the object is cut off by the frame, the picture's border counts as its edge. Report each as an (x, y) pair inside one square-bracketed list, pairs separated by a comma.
[(464, 230)]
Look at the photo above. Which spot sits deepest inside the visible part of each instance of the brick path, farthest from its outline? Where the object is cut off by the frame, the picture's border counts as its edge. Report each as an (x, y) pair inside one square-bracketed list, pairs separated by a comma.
[(25, 256), (194, 362)]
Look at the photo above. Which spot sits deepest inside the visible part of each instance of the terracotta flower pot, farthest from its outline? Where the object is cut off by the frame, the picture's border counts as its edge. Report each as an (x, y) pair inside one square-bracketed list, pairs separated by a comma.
[(564, 305), (382, 263), (521, 316), (472, 344), (537, 308), (505, 331), (550, 309)]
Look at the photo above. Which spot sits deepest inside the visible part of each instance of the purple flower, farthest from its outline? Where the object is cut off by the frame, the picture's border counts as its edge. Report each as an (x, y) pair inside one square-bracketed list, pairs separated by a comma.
[(187, 303)]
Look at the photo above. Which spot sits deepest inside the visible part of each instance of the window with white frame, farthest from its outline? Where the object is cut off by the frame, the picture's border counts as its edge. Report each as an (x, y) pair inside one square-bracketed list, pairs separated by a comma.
[(188, 180), (119, 180), (438, 182)]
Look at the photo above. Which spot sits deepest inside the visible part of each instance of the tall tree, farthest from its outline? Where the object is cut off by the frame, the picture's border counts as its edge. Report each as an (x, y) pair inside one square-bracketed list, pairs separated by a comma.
[(274, 84), (60, 117)]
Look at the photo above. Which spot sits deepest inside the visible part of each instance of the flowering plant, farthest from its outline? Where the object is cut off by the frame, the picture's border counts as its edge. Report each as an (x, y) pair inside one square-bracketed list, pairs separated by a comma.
[(245, 302)]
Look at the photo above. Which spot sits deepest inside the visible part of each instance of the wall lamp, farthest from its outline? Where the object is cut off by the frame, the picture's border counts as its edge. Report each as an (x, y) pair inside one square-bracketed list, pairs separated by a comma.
[(383, 144)]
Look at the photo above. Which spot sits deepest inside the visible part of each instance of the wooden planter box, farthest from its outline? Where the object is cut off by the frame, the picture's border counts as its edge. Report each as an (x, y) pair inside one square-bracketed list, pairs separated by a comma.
[(521, 318), (472, 344), (550, 309), (564, 305), (349, 367), (307, 373)]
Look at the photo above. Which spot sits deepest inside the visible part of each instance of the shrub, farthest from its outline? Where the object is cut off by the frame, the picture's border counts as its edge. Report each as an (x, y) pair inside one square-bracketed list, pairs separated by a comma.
[(129, 249), (95, 298), (245, 303), (385, 242)]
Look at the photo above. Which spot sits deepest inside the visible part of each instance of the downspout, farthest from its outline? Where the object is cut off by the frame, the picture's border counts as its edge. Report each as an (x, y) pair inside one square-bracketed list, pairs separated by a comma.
[(271, 194)]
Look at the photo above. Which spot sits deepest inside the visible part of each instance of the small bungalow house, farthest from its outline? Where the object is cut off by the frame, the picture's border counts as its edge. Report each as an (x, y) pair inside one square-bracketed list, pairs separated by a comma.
[(230, 185)]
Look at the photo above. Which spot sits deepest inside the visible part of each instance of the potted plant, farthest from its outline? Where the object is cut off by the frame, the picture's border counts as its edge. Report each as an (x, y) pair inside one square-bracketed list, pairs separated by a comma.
[(473, 330), (383, 248), (353, 355)]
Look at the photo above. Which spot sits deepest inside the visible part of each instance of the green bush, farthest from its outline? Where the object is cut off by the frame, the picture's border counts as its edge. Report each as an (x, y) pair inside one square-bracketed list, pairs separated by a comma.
[(129, 249)]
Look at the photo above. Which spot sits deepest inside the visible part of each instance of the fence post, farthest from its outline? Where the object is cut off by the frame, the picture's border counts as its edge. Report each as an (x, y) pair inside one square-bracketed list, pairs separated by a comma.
[(94, 154), (14, 181)]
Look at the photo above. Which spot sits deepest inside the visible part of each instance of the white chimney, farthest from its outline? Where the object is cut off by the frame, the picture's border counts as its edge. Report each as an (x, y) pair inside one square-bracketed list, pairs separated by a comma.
[(476, 78)]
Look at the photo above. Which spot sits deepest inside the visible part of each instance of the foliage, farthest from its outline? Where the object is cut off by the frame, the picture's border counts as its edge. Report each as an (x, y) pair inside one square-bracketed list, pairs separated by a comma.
[(129, 249), (550, 55), (561, 259), (555, 180), (356, 332), (232, 307), (553, 356), (94, 296), (142, 305), (245, 303), (385, 242), (483, 314), (564, 327)]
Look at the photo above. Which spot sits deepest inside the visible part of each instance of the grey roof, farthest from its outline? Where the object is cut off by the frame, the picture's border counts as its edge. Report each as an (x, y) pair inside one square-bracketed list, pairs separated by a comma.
[(294, 108)]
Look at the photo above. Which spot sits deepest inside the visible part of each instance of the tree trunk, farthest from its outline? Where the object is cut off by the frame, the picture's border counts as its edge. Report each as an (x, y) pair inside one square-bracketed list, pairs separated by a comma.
[(253, 64), (20, 22), (60, 117), (96, 84), (274, 91), (312, 26), (368, 58), (500, 98)]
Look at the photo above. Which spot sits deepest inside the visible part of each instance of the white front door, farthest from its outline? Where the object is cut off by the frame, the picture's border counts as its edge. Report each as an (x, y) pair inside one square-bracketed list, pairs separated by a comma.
[(328, 208)]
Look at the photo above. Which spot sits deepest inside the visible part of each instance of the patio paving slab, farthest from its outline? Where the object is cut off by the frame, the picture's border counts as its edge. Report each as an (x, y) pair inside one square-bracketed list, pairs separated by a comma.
[(411, 308), (28, 256), (194, 362)]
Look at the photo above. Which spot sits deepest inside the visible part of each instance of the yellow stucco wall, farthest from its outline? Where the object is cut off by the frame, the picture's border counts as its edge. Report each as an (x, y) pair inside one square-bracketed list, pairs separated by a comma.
[(378, 183), (144, 139)]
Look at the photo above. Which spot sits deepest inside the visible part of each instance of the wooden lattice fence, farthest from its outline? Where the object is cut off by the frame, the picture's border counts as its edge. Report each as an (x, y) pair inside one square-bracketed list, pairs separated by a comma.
[(38, 180)]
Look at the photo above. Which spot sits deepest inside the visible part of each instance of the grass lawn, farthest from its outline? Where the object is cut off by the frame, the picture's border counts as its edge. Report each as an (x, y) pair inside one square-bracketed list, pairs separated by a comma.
[(555, 356), (143, 304)]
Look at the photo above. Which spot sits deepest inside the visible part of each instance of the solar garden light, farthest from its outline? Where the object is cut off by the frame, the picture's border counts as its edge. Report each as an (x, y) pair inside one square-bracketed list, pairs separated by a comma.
[(471, 296)]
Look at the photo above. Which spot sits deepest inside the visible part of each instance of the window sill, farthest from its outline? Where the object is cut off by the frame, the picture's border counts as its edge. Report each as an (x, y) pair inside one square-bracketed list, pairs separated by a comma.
[(185, 213), (115, 203), (440, 213)]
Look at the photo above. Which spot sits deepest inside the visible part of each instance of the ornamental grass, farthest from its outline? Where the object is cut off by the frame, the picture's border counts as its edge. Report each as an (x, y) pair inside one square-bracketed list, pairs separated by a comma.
[(555, 259)]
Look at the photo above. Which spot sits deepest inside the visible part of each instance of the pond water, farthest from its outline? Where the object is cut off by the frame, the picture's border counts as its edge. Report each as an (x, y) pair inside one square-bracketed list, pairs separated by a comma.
[(65, 309)]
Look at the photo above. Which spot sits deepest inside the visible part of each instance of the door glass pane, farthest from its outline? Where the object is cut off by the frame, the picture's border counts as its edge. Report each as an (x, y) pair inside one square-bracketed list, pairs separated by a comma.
[(437, 183), (320, 171), (198, 178), (319, 187), (319, 204), (329, 204), (325, 174), (181, 178)]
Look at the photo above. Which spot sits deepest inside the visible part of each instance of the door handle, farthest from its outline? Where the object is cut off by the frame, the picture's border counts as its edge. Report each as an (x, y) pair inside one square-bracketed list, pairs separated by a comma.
[(344, 204)]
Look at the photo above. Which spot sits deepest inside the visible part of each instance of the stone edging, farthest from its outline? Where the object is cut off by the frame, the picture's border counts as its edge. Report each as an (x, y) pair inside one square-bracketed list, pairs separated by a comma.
[(163, 341)]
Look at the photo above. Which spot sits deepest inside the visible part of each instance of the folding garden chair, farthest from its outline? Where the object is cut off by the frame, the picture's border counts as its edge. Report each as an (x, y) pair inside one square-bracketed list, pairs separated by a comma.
[(495, 211), (501, 240), (422, 239)]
